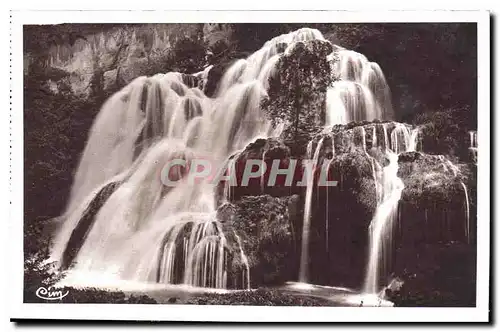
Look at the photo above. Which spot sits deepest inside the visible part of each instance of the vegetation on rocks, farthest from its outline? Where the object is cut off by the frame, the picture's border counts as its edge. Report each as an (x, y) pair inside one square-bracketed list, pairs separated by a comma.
[(446, 132), (297, 91), (268, 228), (259, 297), (430, 178)]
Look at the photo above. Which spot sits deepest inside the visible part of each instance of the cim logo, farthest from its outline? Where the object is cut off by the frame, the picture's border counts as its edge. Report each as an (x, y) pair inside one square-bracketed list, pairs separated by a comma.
[(50, 295)]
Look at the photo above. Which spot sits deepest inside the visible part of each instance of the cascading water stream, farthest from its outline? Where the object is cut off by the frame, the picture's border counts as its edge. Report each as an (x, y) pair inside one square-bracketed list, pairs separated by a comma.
[(472, 139), (146, 231), (361, 93), (449, 166), (310, 171), (467, 211), (382, 222), (327, 220), (402, 139), (244, 260), (473, 144)]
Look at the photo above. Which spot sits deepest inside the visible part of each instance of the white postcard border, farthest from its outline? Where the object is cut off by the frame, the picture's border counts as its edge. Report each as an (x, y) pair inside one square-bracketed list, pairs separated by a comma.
[(170, 312)]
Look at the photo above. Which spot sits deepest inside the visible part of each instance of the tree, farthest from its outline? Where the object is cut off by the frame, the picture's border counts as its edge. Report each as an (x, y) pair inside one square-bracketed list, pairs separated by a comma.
[(297, 91)]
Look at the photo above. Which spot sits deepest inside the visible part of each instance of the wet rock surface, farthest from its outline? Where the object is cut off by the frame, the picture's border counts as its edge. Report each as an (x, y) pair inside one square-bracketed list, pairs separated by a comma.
[(269, 231)]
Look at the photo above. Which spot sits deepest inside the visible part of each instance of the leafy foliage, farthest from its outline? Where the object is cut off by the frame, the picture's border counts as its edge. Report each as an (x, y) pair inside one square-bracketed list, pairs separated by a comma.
[(55, 130), (428, 179), (297, 92), (188, 55), (446, 132)]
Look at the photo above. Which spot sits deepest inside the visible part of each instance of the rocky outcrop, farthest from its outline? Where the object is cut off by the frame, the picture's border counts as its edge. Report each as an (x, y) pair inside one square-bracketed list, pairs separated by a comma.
[(265, 151), (268, 228), (85, 224), (436, 203), (214, 76)]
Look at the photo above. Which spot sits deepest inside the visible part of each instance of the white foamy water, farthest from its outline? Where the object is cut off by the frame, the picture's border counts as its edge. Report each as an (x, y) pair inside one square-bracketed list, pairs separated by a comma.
[(361, 93), (144, 231)]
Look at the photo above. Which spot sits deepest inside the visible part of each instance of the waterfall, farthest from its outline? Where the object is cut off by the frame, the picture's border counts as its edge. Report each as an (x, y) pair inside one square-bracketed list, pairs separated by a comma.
[(403, 138), (373, 163), (473, 143), (473, 139), (361, 93), (467, 212), (389, 188), (140, 229), (413, 143), (309, 172), (386, 137), (203, 75), (205, 265), (123, 223), (382, 222), (352, 100), (327, 229), (244, 260)]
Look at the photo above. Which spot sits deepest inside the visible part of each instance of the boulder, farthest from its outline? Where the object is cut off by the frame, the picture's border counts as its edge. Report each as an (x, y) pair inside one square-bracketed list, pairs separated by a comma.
[(267, 230), (266, 151)]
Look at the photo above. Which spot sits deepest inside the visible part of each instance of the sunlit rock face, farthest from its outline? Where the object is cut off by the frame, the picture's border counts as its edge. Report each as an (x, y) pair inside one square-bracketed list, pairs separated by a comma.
[(111, 59)]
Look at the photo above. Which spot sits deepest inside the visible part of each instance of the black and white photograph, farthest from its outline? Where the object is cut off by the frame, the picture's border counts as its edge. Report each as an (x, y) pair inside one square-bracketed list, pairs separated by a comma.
[(333, 164)]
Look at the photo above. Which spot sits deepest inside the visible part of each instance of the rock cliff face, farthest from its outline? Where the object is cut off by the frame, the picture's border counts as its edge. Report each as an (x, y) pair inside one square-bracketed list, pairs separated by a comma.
[(110, 59)]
